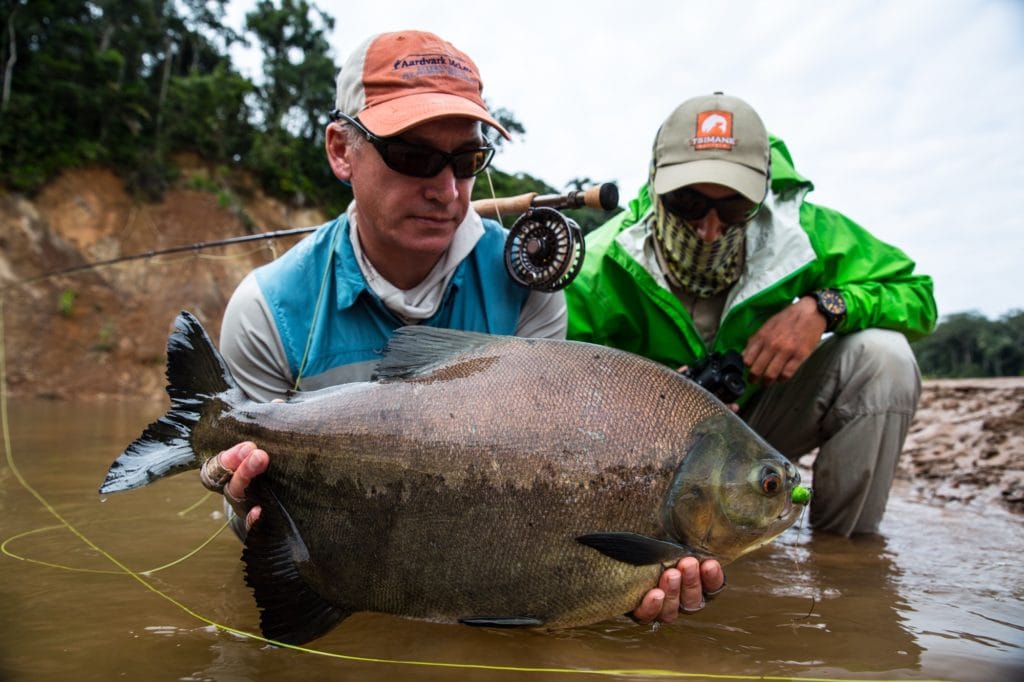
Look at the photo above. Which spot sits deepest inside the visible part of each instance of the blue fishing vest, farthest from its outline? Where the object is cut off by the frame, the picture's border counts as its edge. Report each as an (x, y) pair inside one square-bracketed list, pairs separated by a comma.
[(352, 324)]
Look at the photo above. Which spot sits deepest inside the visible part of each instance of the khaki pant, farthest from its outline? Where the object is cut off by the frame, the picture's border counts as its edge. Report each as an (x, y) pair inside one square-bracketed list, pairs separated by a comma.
[(853, 398)]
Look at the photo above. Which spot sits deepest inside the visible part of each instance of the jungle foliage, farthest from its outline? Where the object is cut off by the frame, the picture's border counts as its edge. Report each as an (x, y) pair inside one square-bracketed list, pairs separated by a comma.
[(970, 345), (129, 83)]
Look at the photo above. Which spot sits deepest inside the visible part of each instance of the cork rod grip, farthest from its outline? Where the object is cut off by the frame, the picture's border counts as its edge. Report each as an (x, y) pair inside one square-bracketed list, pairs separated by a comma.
[(604, 196)]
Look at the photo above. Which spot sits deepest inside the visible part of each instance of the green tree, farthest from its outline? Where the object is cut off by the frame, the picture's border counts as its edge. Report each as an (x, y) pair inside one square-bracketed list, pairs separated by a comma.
[(89, 81), (952, 349), (294, 100), (1012, 352), (54, 89), (969, 344), (207, 112)]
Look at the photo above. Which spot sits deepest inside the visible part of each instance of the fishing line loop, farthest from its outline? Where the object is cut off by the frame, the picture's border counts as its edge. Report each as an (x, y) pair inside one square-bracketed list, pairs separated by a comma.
[(139, 578)]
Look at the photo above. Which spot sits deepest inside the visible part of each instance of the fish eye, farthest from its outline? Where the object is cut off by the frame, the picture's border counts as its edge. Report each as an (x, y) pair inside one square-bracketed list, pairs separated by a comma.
[(771, 482)]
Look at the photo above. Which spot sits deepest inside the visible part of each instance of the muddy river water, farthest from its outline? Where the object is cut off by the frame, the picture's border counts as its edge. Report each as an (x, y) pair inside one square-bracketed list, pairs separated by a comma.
[(938, 595)]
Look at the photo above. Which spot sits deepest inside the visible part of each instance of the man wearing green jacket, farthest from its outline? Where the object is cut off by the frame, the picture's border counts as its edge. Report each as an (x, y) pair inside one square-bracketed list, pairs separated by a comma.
[(720, 252)]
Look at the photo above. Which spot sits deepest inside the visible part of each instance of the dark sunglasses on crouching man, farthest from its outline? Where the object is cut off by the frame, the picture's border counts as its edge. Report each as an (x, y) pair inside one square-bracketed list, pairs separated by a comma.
[(689, 204), (421, 161)]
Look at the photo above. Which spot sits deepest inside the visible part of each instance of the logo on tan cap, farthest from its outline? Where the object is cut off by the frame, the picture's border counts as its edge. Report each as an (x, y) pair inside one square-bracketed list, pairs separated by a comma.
[(714, 131), (716, 139)]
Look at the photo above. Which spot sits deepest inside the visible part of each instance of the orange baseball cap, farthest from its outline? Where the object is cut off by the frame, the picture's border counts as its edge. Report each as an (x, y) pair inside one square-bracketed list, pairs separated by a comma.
[(395, 81)]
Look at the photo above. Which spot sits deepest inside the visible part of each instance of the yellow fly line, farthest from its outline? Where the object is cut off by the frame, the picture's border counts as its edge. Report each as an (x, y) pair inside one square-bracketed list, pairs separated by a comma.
[(7, 551), (139, 577)]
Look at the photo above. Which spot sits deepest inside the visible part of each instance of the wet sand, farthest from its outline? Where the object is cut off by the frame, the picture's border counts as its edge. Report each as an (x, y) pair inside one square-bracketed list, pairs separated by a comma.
[(966, 443)]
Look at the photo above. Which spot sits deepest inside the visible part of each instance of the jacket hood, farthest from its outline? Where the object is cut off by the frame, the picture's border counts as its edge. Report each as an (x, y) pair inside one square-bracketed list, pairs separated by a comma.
[(785, 179)]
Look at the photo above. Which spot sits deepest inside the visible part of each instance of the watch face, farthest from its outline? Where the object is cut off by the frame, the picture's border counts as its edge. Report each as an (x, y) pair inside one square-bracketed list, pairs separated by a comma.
[(832, 301)]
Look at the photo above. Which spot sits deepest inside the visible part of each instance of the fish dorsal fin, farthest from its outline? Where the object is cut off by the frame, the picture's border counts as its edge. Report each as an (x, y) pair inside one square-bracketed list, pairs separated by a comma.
[(635, 549), (290, 610), (418, 351)]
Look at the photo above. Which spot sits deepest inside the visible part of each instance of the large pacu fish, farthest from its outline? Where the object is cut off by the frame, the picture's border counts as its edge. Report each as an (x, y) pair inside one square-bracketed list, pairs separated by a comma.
[(481, 479)]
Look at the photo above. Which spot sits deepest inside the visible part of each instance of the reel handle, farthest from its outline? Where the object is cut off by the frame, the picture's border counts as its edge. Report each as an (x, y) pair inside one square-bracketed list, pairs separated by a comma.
[(604, 196)]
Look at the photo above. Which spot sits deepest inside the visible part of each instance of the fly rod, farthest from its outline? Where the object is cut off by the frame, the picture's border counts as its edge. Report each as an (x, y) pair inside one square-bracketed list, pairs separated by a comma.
[(604, 196)]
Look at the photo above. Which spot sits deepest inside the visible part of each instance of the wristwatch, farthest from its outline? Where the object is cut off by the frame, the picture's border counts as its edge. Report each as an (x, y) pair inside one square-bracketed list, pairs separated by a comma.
[(832, 306)]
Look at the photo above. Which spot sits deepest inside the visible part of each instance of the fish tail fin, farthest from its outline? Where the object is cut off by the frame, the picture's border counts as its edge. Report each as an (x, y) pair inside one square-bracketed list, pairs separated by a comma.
[(196, 373), (290, 610)]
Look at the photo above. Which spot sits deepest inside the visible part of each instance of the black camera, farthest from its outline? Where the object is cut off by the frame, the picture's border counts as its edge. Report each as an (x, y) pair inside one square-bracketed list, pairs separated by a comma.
[(721, 374)]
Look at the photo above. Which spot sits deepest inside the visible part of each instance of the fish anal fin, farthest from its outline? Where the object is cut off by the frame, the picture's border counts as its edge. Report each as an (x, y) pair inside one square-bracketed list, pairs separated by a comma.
[(635, 549), (502, 621), (291, 611)]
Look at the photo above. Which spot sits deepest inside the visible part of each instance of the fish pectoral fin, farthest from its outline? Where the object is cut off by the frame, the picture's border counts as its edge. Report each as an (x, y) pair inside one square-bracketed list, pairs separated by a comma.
[(290, 610), (502, 621), (633, 548)]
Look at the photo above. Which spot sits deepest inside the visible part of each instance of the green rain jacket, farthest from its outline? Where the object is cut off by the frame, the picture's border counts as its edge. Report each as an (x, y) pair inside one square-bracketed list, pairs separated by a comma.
[(793, 247)]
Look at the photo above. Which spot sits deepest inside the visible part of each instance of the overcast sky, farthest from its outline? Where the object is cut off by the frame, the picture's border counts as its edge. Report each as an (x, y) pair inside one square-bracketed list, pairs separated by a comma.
[(908, 115)]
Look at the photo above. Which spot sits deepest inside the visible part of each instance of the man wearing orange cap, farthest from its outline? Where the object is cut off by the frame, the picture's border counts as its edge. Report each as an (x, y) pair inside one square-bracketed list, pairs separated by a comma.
[(406, 134), (720, 252)]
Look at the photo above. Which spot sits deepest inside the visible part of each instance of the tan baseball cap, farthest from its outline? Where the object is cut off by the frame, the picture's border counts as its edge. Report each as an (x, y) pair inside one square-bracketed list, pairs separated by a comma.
[(714, 138), (395, 81)]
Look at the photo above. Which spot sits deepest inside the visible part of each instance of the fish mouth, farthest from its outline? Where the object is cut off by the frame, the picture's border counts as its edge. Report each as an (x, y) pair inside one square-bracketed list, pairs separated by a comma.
[(791, 510), (790, 514)]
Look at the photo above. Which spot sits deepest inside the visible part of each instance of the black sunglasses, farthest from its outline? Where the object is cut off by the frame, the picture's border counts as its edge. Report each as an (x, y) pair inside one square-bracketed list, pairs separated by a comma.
[(689, 204), (421, 161)]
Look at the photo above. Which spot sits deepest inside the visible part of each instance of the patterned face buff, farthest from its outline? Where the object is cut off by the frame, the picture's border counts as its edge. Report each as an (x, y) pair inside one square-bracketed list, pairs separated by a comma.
[(699, 267)]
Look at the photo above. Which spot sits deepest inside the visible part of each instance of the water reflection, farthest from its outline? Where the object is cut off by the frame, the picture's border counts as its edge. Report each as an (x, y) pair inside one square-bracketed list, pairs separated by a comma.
[(841, 602), (938, 596)]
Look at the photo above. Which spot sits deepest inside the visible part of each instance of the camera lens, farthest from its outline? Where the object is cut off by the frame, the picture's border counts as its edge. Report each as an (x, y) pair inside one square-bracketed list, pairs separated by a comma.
[(732, 387)]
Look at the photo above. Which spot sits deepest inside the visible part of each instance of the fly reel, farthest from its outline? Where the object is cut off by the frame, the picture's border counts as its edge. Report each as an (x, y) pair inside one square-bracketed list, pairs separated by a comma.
[(544, 250)]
